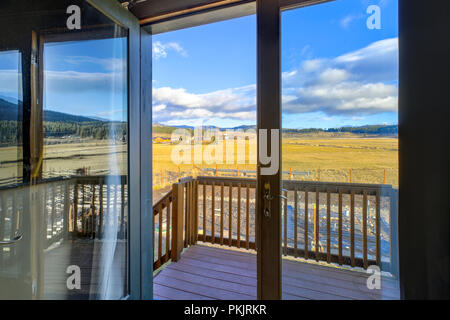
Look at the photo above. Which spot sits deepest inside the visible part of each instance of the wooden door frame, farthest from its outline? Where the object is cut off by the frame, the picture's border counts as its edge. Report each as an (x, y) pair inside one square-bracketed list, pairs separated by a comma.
[(268, 229)]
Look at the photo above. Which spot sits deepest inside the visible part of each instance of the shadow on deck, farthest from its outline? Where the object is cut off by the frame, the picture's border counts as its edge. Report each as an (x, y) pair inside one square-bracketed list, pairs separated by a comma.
[(208, 272)]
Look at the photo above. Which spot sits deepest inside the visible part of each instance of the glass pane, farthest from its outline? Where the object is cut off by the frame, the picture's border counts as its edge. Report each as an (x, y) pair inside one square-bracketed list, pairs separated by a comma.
[(340, 151), (204, 141), (10, 117), (63, 199)]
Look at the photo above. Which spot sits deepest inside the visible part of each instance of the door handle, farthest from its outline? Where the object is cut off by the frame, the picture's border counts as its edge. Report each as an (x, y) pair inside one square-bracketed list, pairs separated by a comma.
[(12, 241), (267, 200)]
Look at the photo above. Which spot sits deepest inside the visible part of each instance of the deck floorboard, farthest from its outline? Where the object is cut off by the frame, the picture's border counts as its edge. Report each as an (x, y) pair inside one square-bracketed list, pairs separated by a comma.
[(212, 272)]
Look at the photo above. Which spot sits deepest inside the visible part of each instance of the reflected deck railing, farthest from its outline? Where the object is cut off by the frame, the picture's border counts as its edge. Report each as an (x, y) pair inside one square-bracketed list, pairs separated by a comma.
[(57, 208)]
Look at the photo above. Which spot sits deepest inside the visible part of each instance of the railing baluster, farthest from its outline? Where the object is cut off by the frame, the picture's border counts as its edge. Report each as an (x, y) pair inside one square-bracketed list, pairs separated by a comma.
[(364, 222), (186, 214), (122, 210), (14, 222), (75, 210), (340, 227), (221, 213), (247, 219), (306, 225), (2, 224), (239, 217), (168, 215), (230, 214), (204, 212), (352, 228), (115, 214), (155, 212), (317, 224), (100, 220), (43, 194), (285, 223), (377, 228), (295, 223), (160, 224), (93, 210), (191, 213), (213, 204), (328, 226), (108, 205), (53, 216), (195, 211)]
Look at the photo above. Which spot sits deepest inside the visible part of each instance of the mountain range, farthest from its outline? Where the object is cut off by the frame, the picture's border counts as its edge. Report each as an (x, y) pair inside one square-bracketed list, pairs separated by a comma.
[(10, 111)]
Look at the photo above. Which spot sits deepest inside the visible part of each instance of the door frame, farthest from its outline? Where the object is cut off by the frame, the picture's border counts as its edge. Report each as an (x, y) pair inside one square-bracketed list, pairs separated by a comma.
[(268, 230), (140, 241)]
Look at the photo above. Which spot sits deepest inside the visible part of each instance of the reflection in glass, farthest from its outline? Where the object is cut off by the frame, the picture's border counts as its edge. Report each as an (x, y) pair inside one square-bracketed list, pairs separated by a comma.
[(63, 178), (10, 117)]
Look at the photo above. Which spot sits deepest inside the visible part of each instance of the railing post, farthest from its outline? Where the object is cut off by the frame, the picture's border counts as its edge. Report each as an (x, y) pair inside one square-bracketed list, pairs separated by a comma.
[(177, 221)]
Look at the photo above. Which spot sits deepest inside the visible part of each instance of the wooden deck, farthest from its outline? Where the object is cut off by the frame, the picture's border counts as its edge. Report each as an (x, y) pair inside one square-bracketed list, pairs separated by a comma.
[(208, 272)]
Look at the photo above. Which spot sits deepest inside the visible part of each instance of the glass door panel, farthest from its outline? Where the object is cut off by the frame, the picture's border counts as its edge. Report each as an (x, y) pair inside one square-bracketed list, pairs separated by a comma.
[(340, 151), (64, 176)]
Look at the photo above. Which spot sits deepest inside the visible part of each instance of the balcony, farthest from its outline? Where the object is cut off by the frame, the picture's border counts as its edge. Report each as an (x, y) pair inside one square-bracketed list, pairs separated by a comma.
[(204, 240)]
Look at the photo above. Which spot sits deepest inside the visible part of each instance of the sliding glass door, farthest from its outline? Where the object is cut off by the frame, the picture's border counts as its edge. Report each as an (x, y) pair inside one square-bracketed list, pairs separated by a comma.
[(65, 223)]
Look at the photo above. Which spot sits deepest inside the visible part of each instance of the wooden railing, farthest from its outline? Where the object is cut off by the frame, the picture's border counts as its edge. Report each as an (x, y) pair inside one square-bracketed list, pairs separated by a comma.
[(162, 214), (343, 223), (348, 224)]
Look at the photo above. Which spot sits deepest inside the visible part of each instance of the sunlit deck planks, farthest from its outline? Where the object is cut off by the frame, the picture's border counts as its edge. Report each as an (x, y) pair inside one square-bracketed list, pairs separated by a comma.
[(207, 272)]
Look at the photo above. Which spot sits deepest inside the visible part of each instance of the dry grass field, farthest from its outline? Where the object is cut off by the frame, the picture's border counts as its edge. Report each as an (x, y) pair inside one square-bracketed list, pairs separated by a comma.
[(366, 159)]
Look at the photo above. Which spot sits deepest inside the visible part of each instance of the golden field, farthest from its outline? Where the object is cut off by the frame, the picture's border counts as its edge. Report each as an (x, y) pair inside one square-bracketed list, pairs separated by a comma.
[(365, 158), (338, 156)]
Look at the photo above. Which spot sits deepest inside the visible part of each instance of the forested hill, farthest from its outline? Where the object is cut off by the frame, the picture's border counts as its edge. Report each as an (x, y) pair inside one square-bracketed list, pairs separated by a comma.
[(11, 112), (57, 124)]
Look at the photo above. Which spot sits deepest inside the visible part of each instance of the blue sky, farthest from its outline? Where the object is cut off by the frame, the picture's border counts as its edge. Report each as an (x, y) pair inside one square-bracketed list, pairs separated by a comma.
[(336, 71)]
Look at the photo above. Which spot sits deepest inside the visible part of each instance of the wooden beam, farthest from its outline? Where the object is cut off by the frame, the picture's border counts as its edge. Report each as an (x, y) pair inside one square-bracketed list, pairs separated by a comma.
[(151, 11), (293, 4)]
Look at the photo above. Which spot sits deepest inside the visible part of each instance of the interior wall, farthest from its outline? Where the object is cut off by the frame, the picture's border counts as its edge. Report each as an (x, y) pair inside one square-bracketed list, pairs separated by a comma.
[(424, 97)]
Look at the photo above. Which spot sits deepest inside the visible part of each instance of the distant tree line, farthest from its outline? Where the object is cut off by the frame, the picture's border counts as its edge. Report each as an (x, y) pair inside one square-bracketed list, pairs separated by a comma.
[(370, 130), (11, 131)]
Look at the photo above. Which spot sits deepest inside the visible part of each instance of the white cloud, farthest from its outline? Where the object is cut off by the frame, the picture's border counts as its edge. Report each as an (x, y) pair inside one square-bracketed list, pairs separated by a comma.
[(362, 82), (347, 20), (78, 82), (159, 107), (234, 103), (160, 50), (356, 84), (10, 81), (109, 64)]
